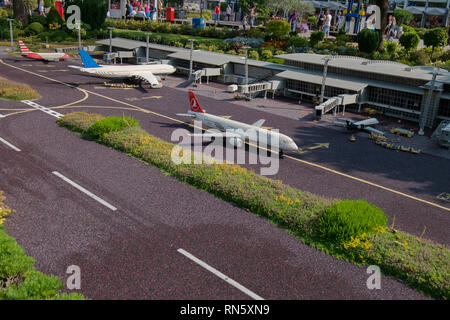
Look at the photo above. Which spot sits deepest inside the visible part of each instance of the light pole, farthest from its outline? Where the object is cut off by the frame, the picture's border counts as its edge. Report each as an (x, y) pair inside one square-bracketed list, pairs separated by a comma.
[(147, 35), (324, 78), (11, 32), (426, 107), (79, 35), (191, 62), (110, 38)]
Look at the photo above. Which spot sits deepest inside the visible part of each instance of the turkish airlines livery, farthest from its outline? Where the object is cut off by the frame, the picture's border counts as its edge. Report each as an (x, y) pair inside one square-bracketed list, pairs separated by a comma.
[(137, 72), (45, 56), (237, 132)]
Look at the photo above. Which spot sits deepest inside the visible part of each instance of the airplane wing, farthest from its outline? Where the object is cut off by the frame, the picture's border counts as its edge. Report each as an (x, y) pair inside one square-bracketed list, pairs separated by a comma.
[(149, 77), (367, 122), (259, 123), (370, 129)]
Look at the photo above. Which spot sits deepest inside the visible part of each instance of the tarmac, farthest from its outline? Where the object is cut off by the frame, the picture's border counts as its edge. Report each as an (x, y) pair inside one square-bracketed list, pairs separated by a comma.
[(133, 252)]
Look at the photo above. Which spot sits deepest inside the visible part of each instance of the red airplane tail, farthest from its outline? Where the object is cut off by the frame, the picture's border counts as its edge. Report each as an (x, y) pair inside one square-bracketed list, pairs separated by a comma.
[(23, 48), (193, 103)]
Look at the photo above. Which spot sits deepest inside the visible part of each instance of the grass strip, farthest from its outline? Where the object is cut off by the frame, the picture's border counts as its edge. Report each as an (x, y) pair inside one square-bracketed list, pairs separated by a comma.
[(11, 90), (18, 279), (419, 263)]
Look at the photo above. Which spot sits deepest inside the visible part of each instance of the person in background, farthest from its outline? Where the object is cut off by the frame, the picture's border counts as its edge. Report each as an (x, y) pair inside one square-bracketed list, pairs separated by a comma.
[(327, 24), (217, 14), (292, 19), (228, 12), (252, 16), (41, 8), (321, 21), (152, 11), (147, 10), (387, 30), (245, 22)]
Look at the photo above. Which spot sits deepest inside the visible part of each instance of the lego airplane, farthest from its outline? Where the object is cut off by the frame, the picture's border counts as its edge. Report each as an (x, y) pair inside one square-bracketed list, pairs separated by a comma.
[(236, 132), (45, 56), (359, 125), (135, 72)]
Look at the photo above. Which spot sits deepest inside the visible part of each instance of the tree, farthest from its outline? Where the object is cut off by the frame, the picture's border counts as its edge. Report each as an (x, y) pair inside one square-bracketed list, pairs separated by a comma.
[(403, 16), (384, 6), (280, 6), (409, 40), (367, 40), (22, 10), (277, 29), (93, 12), (246, 5), (435, 38)]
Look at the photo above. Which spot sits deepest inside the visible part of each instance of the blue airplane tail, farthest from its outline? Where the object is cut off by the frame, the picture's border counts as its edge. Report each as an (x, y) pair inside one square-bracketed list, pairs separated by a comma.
[(88, 62)]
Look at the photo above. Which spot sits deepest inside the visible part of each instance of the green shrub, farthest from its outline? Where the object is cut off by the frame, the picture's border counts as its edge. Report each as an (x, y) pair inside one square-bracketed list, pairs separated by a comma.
[(298, 42), (266, 54), (445, 56), (79, 121), (54, 17), (316, 37), (312, 20), (38, 18), (93, 12), (409, 40), (253, 54), (391, 49), (420, 57), (342, 39), (403, 16), (436, 37), (34, 28), (108, 124), (407, 28), (277, 29), (367, 40), (36, 286), (350, 218), (254, 33)]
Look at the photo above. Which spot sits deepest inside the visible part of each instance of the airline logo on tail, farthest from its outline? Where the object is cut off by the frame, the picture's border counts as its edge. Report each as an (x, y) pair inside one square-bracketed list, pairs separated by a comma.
[(23, 48), (88, 62), (194, 105)]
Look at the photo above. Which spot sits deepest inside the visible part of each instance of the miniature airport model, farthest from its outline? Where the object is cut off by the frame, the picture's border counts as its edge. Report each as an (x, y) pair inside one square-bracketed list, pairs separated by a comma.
[(442, 134), (45, 56), (140, 72), (236, 132)]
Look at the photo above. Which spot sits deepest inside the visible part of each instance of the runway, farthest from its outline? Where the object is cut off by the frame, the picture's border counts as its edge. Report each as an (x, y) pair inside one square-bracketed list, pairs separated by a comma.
[(133, 252)]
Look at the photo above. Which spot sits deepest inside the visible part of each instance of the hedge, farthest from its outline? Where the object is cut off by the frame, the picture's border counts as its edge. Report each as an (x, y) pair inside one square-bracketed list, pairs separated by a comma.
[(419, 263)]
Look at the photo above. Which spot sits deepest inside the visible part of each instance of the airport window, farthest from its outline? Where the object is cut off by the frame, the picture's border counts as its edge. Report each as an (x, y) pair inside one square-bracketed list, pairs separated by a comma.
[(444, 108), (405, 100), (314, 88)]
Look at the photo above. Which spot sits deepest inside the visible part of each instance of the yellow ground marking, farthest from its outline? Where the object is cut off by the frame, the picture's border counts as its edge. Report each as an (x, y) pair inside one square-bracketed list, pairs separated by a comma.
[(444, 196), (43, 71), (93, 107), (61, 70), (226, 117), (14, 109), (319, 145), (286, 156)]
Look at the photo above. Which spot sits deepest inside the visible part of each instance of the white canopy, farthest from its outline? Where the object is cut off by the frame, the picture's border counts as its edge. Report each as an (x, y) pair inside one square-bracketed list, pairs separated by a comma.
[(429, 11)]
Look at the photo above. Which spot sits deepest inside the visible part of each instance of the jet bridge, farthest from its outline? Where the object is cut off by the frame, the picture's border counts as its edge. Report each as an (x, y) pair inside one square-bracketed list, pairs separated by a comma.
[(335, 102)]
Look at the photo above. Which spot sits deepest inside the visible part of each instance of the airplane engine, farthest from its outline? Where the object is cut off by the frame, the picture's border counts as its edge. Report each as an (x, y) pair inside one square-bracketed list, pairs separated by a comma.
[(236, 142)]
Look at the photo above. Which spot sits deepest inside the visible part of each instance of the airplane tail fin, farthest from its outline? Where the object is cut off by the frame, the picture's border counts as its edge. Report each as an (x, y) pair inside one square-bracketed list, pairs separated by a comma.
[(24, 49), (193, 103), (88, 62)]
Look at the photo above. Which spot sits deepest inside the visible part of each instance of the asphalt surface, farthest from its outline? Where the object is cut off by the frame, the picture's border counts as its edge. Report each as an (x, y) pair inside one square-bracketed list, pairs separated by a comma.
[(132, 252)]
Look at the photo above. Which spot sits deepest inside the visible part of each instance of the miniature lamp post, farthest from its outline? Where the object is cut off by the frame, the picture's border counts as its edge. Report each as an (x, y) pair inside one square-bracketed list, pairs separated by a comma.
[(110, 38), (11, 32), (427, 106), (147, 49), (324, 78), (191, 62), (79, 35)]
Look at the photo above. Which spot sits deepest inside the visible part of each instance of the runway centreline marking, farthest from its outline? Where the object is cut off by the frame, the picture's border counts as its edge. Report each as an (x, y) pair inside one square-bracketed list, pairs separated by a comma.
[(87, 192), (43, 109), (220, 275), (289, 157), (9, 144)]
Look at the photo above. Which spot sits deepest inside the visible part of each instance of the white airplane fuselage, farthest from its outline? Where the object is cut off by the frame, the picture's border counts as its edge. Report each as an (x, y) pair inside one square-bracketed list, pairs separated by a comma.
[(249, 132), (128, 71)]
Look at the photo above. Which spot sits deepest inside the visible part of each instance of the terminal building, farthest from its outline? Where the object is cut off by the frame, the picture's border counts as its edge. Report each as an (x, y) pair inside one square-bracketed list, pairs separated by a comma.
[(392, 88)]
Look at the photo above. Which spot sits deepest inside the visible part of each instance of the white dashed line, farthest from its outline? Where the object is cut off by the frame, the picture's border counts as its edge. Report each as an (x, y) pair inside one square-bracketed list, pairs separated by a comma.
[(220, 275), (9, 145), (42, 108), (90, 194)]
